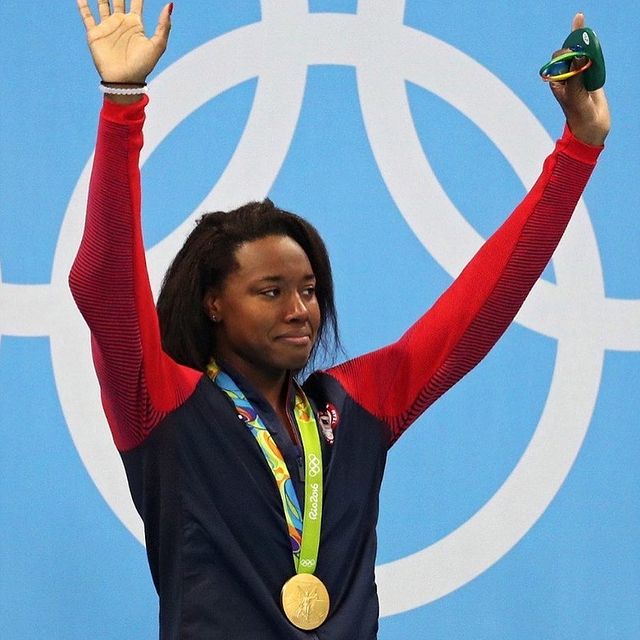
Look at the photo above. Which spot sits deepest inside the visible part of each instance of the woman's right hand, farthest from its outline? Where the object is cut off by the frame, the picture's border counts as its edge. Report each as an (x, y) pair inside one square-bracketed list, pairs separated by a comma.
[(120, 49)]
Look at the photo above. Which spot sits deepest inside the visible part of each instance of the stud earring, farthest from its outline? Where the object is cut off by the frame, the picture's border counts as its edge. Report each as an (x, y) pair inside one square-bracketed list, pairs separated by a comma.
[(214, 317)]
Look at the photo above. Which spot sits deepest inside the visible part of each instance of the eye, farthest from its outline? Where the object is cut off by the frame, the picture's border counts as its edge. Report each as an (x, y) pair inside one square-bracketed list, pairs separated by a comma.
[(310, 291), (270, 293)]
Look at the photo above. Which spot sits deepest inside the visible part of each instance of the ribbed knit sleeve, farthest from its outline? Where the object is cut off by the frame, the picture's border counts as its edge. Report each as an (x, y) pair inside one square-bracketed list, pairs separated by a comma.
[(139, 383), (397, 383)]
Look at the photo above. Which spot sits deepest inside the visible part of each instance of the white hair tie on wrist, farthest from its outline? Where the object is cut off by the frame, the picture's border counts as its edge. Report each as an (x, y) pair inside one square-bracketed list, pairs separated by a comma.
[(123, 88)]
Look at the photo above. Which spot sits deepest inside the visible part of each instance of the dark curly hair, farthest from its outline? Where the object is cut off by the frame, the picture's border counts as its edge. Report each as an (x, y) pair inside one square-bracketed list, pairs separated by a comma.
[(208, 256)]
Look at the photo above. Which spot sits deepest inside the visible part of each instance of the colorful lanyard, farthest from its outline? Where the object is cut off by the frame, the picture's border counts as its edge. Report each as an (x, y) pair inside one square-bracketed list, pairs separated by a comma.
[(304, 530)]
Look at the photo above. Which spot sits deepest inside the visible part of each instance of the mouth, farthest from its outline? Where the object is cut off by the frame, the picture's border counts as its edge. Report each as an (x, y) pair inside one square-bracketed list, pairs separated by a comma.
[(295, 339)]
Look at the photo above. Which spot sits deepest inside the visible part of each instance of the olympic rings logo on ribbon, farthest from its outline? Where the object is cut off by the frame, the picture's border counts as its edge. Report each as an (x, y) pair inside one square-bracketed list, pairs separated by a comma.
[(314, 465), (575, 311), (307, 563)]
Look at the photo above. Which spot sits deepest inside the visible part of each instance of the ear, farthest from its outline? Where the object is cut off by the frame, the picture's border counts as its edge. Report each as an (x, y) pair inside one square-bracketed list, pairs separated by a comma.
[(211, 304)]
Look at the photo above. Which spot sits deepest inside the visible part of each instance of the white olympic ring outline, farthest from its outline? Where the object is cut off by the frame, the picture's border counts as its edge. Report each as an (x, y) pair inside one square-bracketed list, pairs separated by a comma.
[(575, 311), (307, 563), (314, 465)]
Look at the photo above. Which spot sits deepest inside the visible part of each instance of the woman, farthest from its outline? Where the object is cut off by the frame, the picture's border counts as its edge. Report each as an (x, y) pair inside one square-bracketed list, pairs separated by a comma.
[(260, 496)]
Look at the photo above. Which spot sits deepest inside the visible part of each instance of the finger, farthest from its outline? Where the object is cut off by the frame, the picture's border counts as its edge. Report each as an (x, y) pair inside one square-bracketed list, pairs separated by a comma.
[(86, 15), (118, 6), (580, 62), (161, 35), (104, 9), (136, 7), (577, 22), (558, 90), (574, 92), (560, 93)]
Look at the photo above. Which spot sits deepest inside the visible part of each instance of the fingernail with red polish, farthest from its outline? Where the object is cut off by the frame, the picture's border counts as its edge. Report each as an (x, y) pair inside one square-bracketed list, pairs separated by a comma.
[(170, 8)]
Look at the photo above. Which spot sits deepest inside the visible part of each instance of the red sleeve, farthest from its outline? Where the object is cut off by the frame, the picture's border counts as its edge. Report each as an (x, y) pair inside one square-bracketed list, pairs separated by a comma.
[(397, 383), (139, 383)]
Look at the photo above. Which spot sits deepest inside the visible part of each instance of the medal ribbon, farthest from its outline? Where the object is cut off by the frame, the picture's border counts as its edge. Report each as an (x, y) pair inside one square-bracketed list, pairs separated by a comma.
[(304, 531)]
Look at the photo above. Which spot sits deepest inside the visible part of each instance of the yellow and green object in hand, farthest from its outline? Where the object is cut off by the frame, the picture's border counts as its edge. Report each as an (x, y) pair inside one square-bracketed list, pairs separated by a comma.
[(582, 44)]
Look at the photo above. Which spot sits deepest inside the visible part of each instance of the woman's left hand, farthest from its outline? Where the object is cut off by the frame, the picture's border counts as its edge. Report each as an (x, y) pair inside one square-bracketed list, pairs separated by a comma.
[(587, 112)]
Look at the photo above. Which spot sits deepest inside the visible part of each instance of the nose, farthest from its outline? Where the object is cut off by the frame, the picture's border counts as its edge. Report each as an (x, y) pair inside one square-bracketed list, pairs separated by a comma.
[(296, 310)]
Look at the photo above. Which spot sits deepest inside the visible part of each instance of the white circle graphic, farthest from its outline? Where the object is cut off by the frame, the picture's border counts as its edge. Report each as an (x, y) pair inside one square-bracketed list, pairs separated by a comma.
[(278, 51)]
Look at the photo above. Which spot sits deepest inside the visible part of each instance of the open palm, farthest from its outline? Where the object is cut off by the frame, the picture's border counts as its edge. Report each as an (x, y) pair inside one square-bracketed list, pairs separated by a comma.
[(120, 49)]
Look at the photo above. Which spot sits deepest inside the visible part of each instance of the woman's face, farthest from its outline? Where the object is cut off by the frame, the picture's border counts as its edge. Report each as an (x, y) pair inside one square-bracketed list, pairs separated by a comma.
[(267, 314)]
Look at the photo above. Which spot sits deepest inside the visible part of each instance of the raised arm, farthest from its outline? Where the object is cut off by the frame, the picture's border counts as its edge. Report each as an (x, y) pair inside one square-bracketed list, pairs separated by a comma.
[(397, 383), (109, 281)]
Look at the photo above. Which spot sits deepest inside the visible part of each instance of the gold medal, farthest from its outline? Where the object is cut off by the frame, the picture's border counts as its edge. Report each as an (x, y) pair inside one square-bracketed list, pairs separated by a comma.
[(305, 601)]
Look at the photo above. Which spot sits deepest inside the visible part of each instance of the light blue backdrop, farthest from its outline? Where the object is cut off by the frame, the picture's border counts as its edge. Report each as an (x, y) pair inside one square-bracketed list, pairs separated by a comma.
[(518, 492)]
